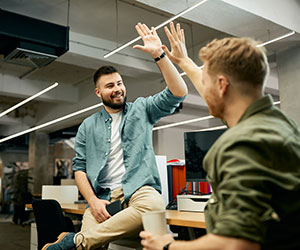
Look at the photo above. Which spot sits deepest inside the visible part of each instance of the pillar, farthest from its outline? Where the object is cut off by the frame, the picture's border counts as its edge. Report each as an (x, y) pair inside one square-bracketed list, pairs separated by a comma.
[(39, 160), (288, 69)]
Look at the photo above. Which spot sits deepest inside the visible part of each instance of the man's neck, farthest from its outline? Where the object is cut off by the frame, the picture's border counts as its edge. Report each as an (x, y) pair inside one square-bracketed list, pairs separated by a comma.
[(237, 107), (111, 110)]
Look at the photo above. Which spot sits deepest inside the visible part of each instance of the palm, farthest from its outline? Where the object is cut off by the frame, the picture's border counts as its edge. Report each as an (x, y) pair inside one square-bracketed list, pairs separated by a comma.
[(152, 43)]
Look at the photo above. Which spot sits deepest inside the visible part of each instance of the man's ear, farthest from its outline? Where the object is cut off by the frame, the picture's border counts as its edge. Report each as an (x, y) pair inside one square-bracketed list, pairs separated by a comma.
[(223, 85), (97, 91)]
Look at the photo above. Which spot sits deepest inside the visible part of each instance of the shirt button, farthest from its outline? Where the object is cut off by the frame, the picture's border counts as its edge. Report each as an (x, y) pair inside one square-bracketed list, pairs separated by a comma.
[(108, 127), (108, 140), (275, 216), (106, 153)]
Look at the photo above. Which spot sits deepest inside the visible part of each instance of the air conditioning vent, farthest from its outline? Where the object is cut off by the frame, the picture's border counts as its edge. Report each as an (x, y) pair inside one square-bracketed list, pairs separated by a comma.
[(29, 58)]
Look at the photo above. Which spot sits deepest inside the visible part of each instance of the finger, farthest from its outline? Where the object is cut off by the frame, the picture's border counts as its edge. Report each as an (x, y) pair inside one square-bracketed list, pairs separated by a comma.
[(153, 31), (170, 36), (146, 29), (178, 31), (140, 47), (166, 50), (98, 218), (145, 244), (173, 31), (145, 235), (106, 214), (182, 36), (143, 28), (139, 30)]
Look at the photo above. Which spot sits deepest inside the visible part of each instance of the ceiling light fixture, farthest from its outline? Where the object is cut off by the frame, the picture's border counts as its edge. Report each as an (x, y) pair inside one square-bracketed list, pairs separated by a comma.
[(28, 99), (51, 122), (183, 122), (213, 128), (277, 39), (157, 27), (194, 120)]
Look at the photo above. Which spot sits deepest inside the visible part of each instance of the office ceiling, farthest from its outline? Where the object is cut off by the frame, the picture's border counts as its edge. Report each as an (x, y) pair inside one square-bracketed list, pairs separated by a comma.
[(97, 27)]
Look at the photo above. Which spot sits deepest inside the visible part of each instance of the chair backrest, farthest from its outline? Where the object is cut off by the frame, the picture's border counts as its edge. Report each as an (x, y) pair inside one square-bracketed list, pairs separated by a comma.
[(63, 194), (50, 221)]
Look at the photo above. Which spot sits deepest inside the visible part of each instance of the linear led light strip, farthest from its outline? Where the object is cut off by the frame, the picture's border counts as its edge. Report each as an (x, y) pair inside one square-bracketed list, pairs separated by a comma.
[(213, 128), (28, 99), (157, 27), (277, 39), (260, 45), (51, 122), (193, 120), (183, 122)]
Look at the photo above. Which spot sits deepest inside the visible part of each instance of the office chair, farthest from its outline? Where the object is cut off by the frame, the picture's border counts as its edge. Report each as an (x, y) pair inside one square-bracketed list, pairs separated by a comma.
[(50, 221)]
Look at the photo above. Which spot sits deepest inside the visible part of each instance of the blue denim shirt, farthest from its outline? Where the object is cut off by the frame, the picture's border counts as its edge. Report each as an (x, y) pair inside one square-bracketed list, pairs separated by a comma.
[(93, 143)]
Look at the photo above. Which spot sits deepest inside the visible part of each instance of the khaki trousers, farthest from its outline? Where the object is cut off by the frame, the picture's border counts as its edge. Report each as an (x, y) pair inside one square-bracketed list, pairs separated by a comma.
[(125, 223)]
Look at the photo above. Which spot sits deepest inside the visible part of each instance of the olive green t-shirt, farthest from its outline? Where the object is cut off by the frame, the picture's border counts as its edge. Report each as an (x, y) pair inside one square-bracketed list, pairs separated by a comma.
[(254, 171)]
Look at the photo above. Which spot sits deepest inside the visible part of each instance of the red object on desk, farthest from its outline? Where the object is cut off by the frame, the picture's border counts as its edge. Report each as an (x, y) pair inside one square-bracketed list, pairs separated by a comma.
[(179, 180), (178, 177)]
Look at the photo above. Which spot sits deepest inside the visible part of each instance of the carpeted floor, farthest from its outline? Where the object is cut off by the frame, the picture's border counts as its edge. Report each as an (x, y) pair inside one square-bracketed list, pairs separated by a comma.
[(12, 236)]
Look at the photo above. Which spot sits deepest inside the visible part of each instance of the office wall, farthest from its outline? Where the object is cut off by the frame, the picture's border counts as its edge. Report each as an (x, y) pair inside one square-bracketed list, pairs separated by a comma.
[(169, 142)]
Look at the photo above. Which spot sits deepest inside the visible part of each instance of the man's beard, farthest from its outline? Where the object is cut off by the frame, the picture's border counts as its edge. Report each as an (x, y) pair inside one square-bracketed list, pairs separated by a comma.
[(113, 105)]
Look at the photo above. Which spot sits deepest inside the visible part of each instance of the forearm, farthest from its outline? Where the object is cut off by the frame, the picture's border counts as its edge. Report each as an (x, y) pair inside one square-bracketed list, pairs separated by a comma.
[(215, 242), (172, 77), (84, 186), (193, 72)]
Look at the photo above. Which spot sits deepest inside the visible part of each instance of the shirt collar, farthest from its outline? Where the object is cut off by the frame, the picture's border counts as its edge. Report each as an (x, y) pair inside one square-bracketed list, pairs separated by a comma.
[(257, 106), (107, 116)]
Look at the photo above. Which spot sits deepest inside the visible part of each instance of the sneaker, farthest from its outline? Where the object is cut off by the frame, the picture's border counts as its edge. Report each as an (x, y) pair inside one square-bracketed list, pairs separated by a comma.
[(65, 241)]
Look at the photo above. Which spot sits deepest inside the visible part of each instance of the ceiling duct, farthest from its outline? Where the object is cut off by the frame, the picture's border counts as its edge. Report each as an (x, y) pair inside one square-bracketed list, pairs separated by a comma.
[(29, 41), (29, 58)]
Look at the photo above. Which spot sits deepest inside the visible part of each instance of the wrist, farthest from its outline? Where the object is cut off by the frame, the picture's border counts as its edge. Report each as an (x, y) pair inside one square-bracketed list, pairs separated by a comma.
[(92, 199), (163, 54), (185, 62), (156, 53)]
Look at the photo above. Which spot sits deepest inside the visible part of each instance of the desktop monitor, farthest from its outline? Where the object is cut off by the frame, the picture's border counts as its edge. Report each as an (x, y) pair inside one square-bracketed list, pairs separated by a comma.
[(196, 145)]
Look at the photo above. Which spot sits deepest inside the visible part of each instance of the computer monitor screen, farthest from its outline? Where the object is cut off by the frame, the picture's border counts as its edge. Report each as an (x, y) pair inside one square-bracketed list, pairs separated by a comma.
[(196, 145)]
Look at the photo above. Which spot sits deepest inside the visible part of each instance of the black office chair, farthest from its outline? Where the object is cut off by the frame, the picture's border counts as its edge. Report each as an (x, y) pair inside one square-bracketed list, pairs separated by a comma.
[(50, 221)]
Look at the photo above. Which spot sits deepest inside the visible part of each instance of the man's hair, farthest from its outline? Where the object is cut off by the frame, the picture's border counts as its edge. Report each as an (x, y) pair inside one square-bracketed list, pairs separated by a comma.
[(104, 70), (237, 58)]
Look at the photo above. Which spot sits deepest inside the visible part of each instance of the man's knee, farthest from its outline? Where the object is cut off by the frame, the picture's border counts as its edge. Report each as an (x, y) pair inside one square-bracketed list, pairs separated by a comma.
[(147, 199)]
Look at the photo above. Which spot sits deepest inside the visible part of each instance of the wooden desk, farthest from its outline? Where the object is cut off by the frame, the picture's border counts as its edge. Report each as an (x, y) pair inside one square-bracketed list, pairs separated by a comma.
[(174, 217), (185, 219)]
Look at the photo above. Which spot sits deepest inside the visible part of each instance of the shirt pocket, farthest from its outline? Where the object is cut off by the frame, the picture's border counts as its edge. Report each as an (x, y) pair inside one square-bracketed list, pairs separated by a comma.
[(134, 128)]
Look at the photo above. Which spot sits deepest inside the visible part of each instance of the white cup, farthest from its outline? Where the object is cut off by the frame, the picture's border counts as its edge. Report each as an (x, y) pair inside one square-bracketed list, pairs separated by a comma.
[(155, 222)]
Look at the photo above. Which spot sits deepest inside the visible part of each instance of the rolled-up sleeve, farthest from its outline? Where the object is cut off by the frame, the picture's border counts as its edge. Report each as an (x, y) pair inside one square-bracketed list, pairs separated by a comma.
[(79, 161), (244, 192), (162, 104)]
